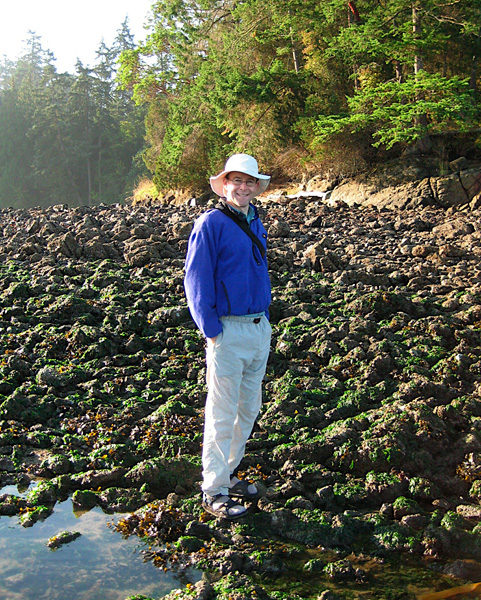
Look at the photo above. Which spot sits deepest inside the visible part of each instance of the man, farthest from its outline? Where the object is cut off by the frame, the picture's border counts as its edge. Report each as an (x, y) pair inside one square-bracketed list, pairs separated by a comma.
[(228, 292)]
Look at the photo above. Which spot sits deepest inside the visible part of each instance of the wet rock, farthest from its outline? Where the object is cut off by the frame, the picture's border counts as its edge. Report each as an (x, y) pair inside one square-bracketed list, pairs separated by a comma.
[(58, 464), (422, 488), (469, 511), (299, 502), (269, 564), (62, 538), (189, 544), (315, 565), (84, 499), (13, 406), (467, 570), (198, 529), (32, 516), (232, 561), (161, 476), (122, 500), (6, 464), (328, 595), (97, 249), (202, 590), (51, 377), (101, 479), (11, 504), (17, 291), (374, 369), (475, 491), (341, 570), (417, 522), (182, 230), (279, 228), (66, 245)]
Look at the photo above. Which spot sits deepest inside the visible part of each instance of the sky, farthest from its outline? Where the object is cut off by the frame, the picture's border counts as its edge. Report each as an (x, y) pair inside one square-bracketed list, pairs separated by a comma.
[(70, 29)]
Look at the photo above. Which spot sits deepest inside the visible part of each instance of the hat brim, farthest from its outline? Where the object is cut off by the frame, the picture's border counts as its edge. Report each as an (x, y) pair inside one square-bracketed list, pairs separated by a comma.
[(217, 182)]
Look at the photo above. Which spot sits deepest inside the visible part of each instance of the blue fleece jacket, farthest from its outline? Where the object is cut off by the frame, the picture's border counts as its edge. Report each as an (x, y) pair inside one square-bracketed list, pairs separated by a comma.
[(225, 273)]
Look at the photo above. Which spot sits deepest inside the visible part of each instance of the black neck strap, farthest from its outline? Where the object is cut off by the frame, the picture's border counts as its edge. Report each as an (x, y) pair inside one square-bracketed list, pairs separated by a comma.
[(242, 224)]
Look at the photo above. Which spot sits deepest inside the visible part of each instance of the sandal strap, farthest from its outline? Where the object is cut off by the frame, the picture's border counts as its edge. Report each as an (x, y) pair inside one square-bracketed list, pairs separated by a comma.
[(241, 488), (223, 507)]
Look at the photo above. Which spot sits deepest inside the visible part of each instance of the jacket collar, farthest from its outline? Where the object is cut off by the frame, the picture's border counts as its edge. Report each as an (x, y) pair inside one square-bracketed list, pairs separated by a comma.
[(251, 215)]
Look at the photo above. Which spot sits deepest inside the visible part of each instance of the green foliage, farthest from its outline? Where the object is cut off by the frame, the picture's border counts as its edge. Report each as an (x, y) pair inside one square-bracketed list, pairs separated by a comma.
[(377, 81), (391, 111), (67, 138), (299, 84), (224, 77)]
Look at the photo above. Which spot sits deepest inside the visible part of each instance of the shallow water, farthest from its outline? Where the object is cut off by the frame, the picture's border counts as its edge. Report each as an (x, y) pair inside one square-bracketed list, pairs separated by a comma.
[(99, 565), (400, 577)]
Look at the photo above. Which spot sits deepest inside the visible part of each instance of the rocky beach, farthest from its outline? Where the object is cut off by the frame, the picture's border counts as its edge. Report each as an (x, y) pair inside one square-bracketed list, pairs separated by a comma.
[(369, 441)]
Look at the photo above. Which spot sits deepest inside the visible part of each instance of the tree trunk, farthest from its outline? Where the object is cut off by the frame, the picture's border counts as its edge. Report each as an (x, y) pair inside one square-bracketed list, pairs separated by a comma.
[(474, 73), (99, 174), (354, 11), (89, 175), (424, 143), (67, 167), (295, 58), (295, 53), (399, 71), (418, 59), (89, 181), (353, 17)]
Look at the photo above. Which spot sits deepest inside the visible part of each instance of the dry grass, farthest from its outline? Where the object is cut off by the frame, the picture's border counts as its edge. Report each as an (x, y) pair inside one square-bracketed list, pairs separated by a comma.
[(145, 192)]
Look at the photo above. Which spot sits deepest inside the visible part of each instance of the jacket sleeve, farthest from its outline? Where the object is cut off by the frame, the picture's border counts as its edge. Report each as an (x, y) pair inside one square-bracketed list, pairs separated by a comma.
[(199, 281)]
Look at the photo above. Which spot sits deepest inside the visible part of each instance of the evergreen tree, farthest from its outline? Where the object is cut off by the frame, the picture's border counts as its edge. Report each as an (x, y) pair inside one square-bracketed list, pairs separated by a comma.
[(407, 81), (225, 77), (67, 138), (55, 151), (303, 79), (16, 185), (18, 102)]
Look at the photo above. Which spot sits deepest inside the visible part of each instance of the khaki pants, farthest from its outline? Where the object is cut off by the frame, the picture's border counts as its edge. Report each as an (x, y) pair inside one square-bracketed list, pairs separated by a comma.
[(236, 365)]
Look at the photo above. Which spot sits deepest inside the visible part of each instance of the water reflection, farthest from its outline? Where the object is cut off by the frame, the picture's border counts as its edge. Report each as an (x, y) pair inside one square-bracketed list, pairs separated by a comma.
[(99, 565)]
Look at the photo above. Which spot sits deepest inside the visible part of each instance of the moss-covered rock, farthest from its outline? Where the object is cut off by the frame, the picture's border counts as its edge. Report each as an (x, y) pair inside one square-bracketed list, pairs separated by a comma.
[(62, 538), (374, 374), (475, 491), (84, 499)]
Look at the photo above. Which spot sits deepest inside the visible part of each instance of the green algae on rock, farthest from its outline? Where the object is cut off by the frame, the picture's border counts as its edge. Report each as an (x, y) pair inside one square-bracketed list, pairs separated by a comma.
[(370, 432), (62, 538)]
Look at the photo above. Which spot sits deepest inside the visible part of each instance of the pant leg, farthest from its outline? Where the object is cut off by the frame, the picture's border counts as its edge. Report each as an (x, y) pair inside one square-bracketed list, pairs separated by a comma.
[(224, 371), (250, 394), (235, 369)]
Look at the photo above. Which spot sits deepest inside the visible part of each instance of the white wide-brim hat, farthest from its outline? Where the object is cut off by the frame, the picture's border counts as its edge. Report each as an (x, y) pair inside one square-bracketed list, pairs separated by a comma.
[(242, 163)]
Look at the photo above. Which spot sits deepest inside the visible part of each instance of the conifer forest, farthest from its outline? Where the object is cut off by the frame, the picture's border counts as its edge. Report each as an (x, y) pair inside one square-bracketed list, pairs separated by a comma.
[(305, 86)]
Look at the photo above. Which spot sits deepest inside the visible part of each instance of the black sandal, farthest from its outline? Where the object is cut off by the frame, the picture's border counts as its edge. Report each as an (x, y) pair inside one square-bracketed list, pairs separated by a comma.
[(244, 489), (223, 507)]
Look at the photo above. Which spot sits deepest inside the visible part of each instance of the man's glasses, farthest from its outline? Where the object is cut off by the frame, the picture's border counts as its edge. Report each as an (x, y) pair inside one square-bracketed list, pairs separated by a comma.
[(250, 183)]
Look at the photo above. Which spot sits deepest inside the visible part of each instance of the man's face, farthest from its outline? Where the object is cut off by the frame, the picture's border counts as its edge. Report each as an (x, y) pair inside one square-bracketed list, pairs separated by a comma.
[(240, 189)]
